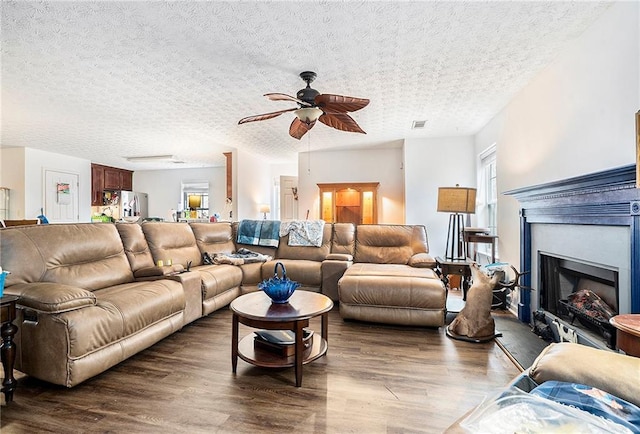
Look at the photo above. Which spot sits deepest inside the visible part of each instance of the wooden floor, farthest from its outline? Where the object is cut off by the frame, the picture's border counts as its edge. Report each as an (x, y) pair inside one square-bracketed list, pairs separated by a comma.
[(374, 379)]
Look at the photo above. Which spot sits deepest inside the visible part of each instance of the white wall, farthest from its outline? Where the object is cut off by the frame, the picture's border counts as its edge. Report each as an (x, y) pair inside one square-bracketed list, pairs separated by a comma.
[(575, 117), (23, 172), (253, 183), (164, 188), (368, 165), (429, 164), (12, 177)]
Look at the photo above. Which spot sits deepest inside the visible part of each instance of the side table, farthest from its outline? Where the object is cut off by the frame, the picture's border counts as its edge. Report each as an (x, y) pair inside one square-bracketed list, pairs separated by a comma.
[(459, 267), (8, 351), (628, 333)]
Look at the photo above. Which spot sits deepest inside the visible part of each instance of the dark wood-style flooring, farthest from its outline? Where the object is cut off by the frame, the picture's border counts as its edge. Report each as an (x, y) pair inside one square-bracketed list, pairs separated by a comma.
[(374, 379)]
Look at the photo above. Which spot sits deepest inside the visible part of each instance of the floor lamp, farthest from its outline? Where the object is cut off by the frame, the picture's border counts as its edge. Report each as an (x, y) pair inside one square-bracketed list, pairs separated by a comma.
[(264, 209), (457, 201)]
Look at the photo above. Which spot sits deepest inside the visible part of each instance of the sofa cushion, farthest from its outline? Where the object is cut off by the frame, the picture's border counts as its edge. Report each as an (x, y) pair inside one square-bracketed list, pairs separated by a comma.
[(305, 272), (218, 278), (135, 246), (121, 311), (390, 270), (557, 362), (389, 244), (310, 253), (174, 241), (344, 238), (214, 237), (84, 255)]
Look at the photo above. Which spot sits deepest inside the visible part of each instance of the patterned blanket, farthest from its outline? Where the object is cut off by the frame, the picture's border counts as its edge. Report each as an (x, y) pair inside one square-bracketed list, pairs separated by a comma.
[(303, 232), (242, 256), (259, 232)]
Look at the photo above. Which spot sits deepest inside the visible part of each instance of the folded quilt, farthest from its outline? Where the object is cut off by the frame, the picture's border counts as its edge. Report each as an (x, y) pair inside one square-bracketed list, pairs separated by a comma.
[(259, 233), (303, 232)]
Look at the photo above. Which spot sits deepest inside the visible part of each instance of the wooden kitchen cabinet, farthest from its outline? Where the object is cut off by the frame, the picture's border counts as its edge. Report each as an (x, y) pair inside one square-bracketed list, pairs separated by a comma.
[(108, 178), (117, 179), (97, 184)]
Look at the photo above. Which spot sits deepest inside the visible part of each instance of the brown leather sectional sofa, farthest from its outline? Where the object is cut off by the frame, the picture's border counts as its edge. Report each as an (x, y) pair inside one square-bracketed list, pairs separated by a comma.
[(91, 295)]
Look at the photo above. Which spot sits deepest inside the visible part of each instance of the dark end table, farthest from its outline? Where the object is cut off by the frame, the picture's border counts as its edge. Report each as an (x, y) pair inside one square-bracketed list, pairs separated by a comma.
[(8, 351), (459, 267)]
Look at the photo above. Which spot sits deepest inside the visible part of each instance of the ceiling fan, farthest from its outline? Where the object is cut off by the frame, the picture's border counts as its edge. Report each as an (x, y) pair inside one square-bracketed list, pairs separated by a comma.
[(314, 106)]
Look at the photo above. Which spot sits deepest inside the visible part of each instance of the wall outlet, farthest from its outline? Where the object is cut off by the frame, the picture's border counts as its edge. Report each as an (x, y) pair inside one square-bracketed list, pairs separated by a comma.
[(634, 207)]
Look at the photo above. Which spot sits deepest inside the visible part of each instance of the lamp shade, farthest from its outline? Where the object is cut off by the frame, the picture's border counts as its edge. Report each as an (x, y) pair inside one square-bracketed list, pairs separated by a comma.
[(195, 201), (265, 208), (457, 200)]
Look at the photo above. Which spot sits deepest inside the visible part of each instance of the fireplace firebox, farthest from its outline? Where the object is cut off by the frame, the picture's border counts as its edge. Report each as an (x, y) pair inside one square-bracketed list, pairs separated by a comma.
[(583, 294)]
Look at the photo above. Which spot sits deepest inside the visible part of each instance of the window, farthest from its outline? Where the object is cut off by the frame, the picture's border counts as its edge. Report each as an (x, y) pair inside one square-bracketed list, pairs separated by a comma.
[(487, 211), (195, 199)]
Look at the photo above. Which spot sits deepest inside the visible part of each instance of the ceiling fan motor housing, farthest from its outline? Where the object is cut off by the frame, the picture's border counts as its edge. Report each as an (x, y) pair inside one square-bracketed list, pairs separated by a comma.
[(307, 95)]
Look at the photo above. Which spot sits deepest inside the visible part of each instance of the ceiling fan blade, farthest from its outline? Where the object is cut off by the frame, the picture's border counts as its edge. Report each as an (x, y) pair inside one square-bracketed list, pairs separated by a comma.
[(339, 103), (299, 128), (264, 116), (341, 121), (285, 97)]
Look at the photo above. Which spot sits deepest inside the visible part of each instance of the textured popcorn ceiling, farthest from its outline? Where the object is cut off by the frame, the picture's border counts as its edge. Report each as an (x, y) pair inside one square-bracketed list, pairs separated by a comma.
[(106, 80)]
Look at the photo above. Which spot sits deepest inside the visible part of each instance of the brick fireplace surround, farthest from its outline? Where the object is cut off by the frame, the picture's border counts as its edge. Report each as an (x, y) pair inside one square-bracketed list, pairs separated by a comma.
[(597, 215)]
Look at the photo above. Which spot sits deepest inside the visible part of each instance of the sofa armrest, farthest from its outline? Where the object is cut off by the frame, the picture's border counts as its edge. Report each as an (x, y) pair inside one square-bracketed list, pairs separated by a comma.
[(164, 271), (339, 257), (51, 297), (422, 260), (332, 271), (612, 372)]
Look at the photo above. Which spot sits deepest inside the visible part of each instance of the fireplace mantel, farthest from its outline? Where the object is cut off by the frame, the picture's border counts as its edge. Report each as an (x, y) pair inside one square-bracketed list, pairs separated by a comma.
[(607, 198)]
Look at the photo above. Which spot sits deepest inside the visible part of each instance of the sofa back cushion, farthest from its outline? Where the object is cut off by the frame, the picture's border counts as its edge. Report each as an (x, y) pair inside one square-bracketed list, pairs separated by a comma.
[(135, 246), (344, 238), (172, 241), (311, 253), (214, 237), (264, 250), (389, 244), (83, 255)]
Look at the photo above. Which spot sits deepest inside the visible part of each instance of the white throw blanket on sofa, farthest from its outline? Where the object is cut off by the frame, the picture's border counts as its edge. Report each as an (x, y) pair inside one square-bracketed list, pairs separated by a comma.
[(303, 232)]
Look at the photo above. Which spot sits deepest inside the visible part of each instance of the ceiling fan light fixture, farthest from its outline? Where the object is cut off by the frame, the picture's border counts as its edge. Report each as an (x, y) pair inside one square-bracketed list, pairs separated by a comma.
[(308, 115)]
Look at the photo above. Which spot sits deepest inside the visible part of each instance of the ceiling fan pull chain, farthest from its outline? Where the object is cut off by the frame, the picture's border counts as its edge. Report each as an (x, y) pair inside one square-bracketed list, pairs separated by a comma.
[(309, 153)]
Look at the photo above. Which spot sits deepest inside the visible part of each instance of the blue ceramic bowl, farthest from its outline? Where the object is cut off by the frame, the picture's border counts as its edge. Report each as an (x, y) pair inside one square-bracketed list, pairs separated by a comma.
[(279, 289)]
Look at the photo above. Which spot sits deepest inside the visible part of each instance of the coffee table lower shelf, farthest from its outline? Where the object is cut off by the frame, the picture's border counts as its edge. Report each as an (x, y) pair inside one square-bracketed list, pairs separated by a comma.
[(269, 359)]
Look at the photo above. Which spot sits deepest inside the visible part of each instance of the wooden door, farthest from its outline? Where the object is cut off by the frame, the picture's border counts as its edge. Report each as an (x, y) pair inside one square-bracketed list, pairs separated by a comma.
[(288, 198), (61, 196)]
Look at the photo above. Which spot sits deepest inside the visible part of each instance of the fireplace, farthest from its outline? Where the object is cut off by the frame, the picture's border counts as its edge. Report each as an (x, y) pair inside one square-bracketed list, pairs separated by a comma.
[(587, 229), (583, 294)]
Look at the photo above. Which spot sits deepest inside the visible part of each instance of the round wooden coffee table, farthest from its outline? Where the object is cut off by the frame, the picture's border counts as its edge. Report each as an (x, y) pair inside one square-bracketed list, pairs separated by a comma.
[(256, 310)]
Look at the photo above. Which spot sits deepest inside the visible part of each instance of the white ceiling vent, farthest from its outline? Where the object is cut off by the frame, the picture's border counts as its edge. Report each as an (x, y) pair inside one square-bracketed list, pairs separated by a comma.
[(417, 125)]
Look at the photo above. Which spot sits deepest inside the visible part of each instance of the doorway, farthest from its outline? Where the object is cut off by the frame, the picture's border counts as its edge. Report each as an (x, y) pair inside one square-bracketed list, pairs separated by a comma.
[(61, 196)]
